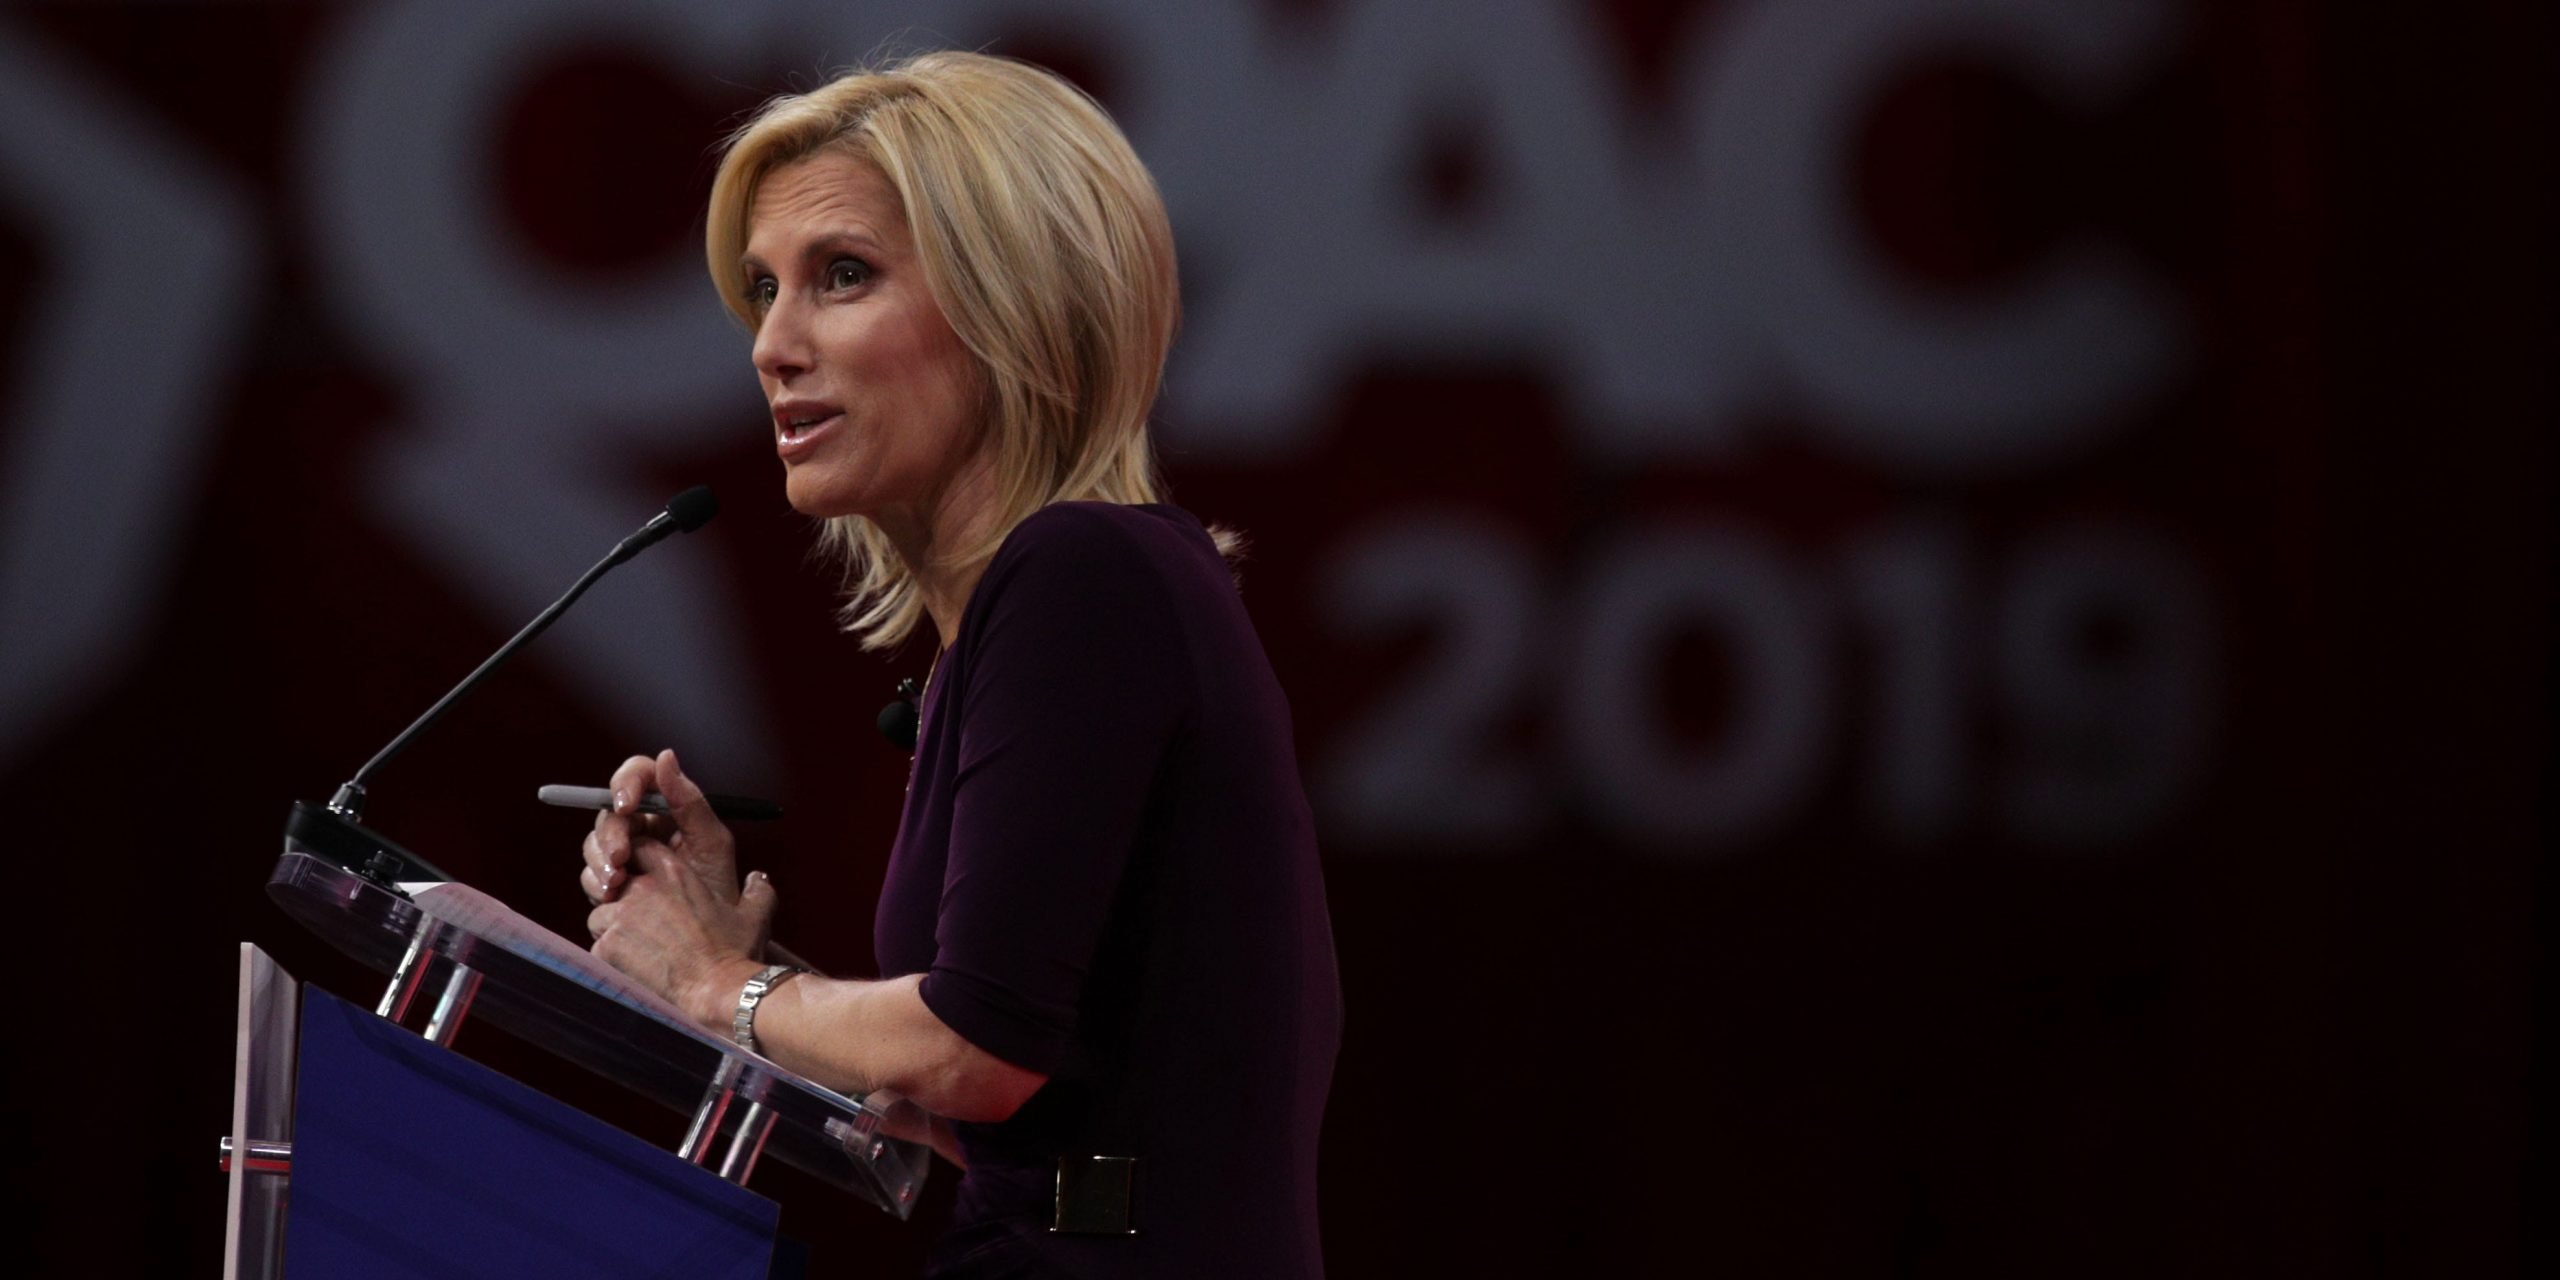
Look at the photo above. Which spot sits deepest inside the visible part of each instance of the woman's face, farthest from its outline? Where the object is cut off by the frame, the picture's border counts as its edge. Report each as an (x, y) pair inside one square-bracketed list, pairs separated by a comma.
[(874, 398)]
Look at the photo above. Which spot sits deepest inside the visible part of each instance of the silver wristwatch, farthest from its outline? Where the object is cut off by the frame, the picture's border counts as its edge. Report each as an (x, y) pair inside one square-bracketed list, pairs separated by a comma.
[(742, 1028)]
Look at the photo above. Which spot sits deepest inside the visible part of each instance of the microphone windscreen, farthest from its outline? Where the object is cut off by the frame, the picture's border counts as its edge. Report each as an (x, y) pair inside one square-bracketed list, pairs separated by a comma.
[(693, 508), (898, 723)]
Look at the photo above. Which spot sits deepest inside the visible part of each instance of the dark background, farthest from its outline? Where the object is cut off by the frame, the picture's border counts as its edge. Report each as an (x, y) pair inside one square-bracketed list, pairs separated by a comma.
[(2187, 926)]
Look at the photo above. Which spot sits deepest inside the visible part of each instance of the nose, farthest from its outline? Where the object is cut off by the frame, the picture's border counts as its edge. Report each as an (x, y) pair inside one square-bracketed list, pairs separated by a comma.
[(781, 350)]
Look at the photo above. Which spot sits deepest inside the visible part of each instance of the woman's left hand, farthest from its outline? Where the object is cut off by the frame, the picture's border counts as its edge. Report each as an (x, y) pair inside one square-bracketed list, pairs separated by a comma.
[(678, 926)]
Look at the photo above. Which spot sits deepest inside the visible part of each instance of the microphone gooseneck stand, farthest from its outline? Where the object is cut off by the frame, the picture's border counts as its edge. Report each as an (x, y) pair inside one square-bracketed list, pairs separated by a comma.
[(334, 830)]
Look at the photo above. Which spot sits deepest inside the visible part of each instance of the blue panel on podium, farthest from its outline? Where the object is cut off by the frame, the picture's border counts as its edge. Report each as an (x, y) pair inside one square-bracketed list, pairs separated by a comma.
[(410, 1160)]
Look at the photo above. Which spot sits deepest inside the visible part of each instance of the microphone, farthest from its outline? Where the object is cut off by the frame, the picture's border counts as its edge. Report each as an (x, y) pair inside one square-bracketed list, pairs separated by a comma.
[(684, 513), (900, 719)]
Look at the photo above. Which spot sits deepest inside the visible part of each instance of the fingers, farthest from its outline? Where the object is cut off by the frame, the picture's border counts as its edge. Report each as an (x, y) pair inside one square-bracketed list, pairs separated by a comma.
[(603, 872), (618, 830), (609, 857), (648, 856), (756, 901), (686, 804), (608, 847), (632, 782), (627, 843), (600, 920)]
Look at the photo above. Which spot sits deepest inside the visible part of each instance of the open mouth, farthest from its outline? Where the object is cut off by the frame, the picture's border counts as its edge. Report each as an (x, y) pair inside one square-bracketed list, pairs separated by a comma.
[(800, 426)]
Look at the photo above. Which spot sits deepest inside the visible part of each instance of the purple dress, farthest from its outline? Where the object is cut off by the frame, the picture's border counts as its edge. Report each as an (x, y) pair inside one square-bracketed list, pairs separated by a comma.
[(1107, 873)]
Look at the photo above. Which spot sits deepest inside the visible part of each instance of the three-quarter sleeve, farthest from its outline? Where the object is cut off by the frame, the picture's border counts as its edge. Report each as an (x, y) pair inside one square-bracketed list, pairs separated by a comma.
[(1074, 685)]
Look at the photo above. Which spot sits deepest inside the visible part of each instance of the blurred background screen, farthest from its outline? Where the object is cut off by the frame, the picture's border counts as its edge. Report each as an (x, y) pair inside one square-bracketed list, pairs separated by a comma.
[(1918, 628)]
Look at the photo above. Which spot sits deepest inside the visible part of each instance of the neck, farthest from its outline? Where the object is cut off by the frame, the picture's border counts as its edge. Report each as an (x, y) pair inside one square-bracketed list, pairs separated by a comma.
[(959, 516)]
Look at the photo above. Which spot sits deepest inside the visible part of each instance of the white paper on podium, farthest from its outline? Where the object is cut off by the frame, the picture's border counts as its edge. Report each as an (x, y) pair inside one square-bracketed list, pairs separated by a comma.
[(468, 908)]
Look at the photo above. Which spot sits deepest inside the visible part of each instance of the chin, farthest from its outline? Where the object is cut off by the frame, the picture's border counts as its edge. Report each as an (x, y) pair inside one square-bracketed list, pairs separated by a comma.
[(822, 510), (819, 503)]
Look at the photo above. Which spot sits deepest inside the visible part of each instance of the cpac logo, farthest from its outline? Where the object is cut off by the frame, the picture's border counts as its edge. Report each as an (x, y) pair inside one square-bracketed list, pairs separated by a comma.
[(1668, 299)]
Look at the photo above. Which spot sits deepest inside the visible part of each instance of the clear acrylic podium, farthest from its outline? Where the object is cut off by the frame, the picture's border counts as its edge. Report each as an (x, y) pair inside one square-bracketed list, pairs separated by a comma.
[(742, 1107)]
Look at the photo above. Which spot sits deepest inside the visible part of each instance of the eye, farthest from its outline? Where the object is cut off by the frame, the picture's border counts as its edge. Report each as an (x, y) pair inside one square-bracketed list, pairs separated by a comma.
[(848, 273), (760, 292)]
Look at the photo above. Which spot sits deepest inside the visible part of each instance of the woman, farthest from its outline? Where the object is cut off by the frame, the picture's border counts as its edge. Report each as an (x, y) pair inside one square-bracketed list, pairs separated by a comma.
[(1102, 931)]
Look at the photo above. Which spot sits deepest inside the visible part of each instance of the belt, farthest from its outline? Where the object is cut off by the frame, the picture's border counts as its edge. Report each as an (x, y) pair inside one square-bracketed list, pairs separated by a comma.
[(1094, 1196)]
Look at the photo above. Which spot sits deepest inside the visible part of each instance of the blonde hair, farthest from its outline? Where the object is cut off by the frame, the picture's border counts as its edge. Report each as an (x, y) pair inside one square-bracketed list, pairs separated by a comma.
[(1046, 245)]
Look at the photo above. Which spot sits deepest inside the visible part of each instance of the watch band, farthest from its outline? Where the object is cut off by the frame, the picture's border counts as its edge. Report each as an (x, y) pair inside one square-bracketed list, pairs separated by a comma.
[(742, 1028)]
